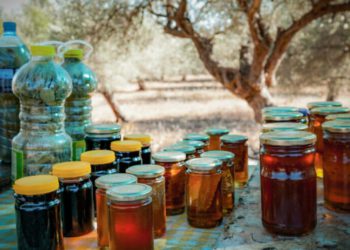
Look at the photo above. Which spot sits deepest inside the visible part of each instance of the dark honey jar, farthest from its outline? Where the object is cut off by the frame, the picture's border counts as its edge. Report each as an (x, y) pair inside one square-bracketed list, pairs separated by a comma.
[(100, 136), (146, 146), (128, 153)]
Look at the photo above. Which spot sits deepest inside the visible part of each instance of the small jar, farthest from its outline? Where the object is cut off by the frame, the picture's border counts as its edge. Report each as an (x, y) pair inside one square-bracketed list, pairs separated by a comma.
[(345, 116), (152, 175), (312, 105), (336, 165), (198, 137), (128, 153), (146, 153), (288, 182), (237, 144), (198, 145), (76, 197), (38, 213), (317, 118), (283, 117), (174, 165), (104, 183), (203, 192), (130, 217), (283, 126), (103, 162), (214, 137), (100, 136), (228, 177), (190, 151)]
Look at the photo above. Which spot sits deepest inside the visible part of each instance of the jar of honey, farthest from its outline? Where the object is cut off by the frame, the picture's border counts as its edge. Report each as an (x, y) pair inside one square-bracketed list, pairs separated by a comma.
[(190, 151), (198, 145), (203, 192), (273, 117), (345, 116), (283, 126), (174, 165), (38, 213), (214, 137), (146, 145), (152, 175), (198, 137), (228, 177), (128, 153), (100, 136), (288, 182), (104, 183), (130, 217), (76, 197), (336, 165), (317, 118), (237, 144), (312, 105)]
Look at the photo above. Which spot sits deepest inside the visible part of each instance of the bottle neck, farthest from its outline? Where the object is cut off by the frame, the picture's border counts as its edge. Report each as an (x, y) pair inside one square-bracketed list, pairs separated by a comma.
[(9, 33), (72, 60)]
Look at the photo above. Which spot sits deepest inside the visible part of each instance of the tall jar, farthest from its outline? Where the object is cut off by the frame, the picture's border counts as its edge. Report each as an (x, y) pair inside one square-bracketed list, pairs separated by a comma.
[(104, 183), (188, 150), (288, 182), (198, 137), (38, 208), (78, 105), (283, 126), (152, 175), (336, 165), (203, 192), (174, 165), (76, 196), (130, 217), (198, 145), (42, 87), (100, 136), (283, 117), (317, 118), (214, 137), (146, 146), (237, 144), (128, 153)]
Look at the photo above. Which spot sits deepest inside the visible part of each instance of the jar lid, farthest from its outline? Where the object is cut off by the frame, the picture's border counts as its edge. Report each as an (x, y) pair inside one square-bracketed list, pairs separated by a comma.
[(74, 53), (146, 170), (196, 144), (143, 138), (112, 180), (203, 164), (36, 185), (108, 128), (282, 116), (126, 146), (343, 116), (71, 169), (233, 138), (312, 105), (217, 131), (337, 126), (169, 156), (283, 126), (196, 137), (96, 157), (329, 110), (280, 109), (287, 138), (221, 155), (187, 149), (132, 192)]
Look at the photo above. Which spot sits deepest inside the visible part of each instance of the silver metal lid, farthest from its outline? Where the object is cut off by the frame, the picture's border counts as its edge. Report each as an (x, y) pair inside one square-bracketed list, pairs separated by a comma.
[(108, 128), (112, 180), (169, 156), (337, 126), (146, 170), (329, 110), (203, 164), (196, 137), (282, 116), (187, 149), (196, 144), (283, 126), (287, 138), (233, 138), (217, 131), (132, 192), (221, 155), (280, 109), (312, 105)]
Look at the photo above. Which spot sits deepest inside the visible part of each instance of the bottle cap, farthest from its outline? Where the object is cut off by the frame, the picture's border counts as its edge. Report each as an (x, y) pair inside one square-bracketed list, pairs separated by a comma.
[(143, 138), (106, 128), (312, 105), (203, 164), (112, 180), (187, 149), (146, 170), (282, 116), (36, 185), (96, 157), (280, 109), (196, 137), (283, 126), (344, 116), (42, 50), (9, 26), (74, 53), (71, 169), (132, 192), (323, 111), (221, 155), (287, 138), (233, 138), (169, 156), (217, 131), (126, 146), (196, 144), (337, 126)]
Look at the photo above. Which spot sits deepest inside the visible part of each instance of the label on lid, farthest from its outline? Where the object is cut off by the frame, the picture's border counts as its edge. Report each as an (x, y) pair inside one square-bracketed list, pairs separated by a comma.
[(17, 170), (79, 147), (6, 76)]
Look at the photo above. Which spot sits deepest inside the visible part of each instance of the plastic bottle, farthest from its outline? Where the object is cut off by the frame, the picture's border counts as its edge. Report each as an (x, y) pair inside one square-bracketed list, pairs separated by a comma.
[(42, 87), (13, 54)]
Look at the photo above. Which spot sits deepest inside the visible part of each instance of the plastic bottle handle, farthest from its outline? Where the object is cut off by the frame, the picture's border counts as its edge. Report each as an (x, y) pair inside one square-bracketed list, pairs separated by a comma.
[(64, 47)]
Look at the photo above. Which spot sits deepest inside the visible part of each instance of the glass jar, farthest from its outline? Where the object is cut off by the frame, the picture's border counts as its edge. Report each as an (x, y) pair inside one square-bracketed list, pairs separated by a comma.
[(128, 153), (214, 137), (288, 182), (130, 217), (317, 118), (312, 105), (228, 177), (283, 126), (104, 183), (38, 208), (174, 165), (100, 136), (345, 116), (203, 192), (42, 87), (152, 175), (273, 117), (198, 137), (198, 145), (336, 165), (237, 144), (146, 153), (190, 151)]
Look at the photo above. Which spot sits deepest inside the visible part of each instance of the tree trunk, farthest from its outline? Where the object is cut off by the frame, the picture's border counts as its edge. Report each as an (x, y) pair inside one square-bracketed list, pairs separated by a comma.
[(109, 98), (333, 90)]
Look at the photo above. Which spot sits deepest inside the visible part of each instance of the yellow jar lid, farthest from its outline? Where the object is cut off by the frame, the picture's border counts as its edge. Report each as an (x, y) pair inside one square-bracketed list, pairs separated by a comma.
[(143, 138), (36, 185), (42, 50), (96, 157), (71, 169), (74, 53), (126, 146)]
